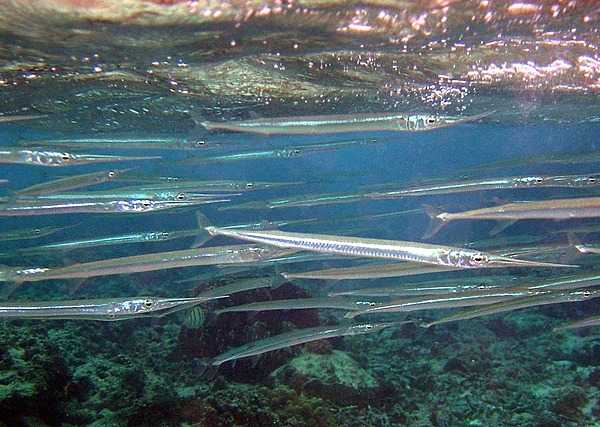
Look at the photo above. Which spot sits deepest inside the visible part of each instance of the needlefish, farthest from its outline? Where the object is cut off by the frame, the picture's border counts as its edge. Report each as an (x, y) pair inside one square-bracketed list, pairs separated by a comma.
[(123, 143), (112, 206), (232, 254), (143, 237), (338, 123), (58, 159), (452, 300), (72, 182), (583, 323), (117, 194), (29, 233), (555, 209), (175, 183), (107, 309), (301, 304), (542, 298), (242, 285), (279, 153), (442, 188), (18, 118), (293, 338), (377, 248)]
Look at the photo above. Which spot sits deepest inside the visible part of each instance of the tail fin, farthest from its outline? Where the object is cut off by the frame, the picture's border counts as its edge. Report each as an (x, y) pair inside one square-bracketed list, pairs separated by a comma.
[(203, 235), (8, 289), (501, 226), (573, 252), (436, 224), (200, 120), (204, 369)]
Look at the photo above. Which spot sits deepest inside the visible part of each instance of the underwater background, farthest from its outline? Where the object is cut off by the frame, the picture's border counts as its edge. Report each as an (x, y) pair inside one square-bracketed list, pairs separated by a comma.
[(144, 69)]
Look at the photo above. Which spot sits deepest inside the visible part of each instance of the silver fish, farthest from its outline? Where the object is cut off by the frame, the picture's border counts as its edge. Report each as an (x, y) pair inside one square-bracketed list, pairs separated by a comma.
[(377, 248), (297, 337), (123, 142), (113, 206), (143, 237), (148, 262), (556, 209), (242, 285), (18, 118), (71, 182), (109, 309), (58, 159), (541, 298), (583, 323), (300, 304), (430, 302), (329, 124)]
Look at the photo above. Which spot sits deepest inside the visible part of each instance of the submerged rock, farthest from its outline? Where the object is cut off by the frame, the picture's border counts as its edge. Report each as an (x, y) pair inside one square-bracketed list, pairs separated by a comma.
[(335, 376)]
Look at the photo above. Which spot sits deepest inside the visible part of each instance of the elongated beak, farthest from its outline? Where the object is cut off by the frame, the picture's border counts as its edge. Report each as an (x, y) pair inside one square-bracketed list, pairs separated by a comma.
[(186, 203), (91, 158), (211, 195), (467, 119), (501, 261)]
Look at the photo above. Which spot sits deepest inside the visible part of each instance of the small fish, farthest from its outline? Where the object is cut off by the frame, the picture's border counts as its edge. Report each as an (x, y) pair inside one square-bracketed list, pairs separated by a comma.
[(10, 119), (147, 262), (113, 206), (71, 182), (535, 300), (555, 209), (109, 309), (434, 287), (143, 237), (124, 143), (29, 233), (174, 183), (453, 300), (301, 304), (377, 248), (279, 153), (331, 124), (58, 159), (443, 188), (297, 337), (587, 249), (120, 194), (194, 318), (583, 323), (242, 285)]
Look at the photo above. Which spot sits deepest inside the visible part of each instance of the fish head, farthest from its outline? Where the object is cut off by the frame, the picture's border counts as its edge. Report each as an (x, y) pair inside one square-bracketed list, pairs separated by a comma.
[(367, 328), (530, 181), (52, 158), (586, 181), (420, 122)]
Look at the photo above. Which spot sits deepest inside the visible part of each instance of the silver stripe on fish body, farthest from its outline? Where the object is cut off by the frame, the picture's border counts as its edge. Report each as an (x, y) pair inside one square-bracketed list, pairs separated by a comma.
[(377, 248)]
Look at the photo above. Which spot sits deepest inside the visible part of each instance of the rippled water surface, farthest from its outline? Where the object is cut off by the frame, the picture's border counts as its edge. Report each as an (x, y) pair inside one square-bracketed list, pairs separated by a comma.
[(130, 73)]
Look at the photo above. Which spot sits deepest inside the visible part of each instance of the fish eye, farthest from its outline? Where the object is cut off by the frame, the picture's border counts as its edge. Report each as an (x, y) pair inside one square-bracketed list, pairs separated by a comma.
[(591, 179), (539, 180), (250, 185), (146, 203), (296, 151), (148, 303), (368, 327), (479, 258), (112, 174), (65, 157), (431, 120), (181, 196), (200, 143), (37, 231)]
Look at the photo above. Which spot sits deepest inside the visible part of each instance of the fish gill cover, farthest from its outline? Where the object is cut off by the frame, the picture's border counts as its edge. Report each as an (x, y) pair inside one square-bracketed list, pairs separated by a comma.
[(299, 213)]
